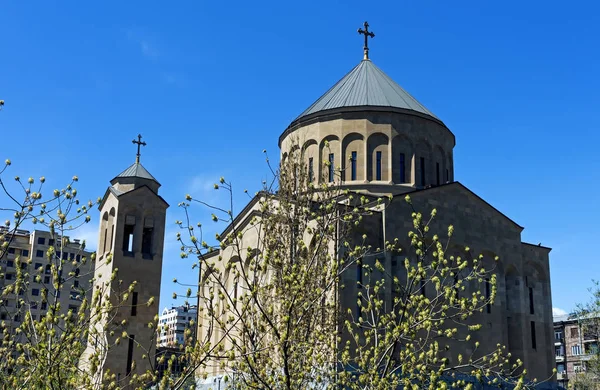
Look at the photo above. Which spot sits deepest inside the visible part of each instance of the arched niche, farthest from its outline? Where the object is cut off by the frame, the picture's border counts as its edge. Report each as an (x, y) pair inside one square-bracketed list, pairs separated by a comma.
[(402, 160), (310, 155), (330, 159), (377, 157), (422, 163), (439, 166), (353, 147)]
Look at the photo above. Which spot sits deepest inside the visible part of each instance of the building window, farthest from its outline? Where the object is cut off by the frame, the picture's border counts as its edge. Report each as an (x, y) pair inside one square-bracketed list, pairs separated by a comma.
[(402, 168), (488, 306), (46, 279), (41, 240), (311, 170), (25, 253), (574, 332), (39, 253), (437, 173), (76, 284), (78, 258), (577, 367), (128, 239), (447, 176), (558, 351), (422, 163), (130, 353), (331, 167), (11, 251), (560, 367), (147, 238), (51, 241), (576, 350), (35, 292), (533, 339), (134, 302), (8, 276), (44, 305), (378, 166), (105, 240), (48, 269), (65, 256), (558, 335), (353, 166), (23, 265), (422, 287), (531, 308), (9, 263)]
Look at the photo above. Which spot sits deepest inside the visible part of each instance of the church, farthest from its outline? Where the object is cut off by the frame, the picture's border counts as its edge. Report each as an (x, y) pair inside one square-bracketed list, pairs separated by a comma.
[(384, 142)]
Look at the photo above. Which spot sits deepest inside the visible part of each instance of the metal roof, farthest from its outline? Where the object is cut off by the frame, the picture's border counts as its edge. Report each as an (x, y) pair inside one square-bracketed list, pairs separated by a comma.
[(137, 170), (366, 85)]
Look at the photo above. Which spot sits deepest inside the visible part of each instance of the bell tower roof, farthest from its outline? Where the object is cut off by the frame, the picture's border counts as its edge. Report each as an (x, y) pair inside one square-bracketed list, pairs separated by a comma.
[(136, 170)]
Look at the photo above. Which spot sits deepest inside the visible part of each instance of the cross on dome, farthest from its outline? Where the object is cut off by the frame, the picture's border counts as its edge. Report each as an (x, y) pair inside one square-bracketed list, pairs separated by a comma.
[(367, 34)]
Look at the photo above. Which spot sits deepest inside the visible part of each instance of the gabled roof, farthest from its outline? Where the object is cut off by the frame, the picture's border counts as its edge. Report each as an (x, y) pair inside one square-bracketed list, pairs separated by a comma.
[(117, 194), (366, 85), (137, 170), (464, 188)]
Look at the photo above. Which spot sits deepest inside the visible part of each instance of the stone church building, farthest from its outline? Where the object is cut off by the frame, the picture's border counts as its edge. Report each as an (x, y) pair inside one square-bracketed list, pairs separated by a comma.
[(385, 142)]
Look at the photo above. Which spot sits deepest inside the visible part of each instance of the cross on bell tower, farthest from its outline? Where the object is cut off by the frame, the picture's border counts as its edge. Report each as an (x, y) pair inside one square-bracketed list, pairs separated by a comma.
[(139, 143), (367, 34)]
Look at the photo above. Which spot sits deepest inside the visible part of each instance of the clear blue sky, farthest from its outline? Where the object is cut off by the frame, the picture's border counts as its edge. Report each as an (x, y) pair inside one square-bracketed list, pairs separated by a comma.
[(211, 84)]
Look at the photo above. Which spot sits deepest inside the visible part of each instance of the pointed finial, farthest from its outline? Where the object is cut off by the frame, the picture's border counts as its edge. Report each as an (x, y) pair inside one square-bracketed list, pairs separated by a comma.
[(139, 143), (367, 34)]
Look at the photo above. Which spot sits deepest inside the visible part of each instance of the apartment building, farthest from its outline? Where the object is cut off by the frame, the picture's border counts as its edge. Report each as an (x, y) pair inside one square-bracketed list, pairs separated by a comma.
[(573, 347), (26, 255), (172, 324)]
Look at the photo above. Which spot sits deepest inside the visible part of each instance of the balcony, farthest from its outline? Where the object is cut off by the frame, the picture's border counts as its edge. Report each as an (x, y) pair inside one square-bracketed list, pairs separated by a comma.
[(561, 376), (559, 358)]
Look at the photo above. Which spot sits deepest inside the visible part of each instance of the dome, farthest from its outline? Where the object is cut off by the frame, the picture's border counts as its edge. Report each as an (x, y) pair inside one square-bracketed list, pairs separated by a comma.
[(365, 86)]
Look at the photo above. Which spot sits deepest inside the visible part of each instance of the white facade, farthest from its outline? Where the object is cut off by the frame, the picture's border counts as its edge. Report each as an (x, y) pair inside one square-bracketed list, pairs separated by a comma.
[(172, 324)]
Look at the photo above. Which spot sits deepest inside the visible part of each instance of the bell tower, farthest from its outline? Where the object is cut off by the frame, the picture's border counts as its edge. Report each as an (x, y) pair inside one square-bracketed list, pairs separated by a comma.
[(131, 237)]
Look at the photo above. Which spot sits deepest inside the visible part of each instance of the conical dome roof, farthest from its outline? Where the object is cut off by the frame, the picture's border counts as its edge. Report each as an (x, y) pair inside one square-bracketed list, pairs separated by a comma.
[(365, 85)]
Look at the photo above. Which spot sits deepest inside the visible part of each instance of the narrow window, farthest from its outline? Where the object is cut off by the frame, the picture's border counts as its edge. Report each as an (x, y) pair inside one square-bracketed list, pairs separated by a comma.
[(447, 176), (402, 168), (437, 173), (358, 286), (128, 230), (531, 309), (378, 166), (331, 167), (105, 237), (422, 287), (422, 161), (487, 295), (130, 353), (134, 301), (353, 166), (112, 234), (311, 172), (147, 234), (533, 340)]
